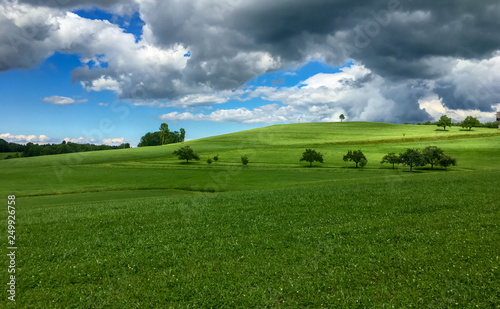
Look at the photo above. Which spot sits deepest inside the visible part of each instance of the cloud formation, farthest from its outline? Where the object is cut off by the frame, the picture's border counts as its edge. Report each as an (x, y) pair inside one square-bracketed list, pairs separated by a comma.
[(58, 100), (43, 139), (193, 53), (23, 139)]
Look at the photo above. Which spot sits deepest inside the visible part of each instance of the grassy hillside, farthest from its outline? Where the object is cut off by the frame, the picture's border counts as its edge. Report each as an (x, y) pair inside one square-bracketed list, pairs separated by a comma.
[(274, 154), (133, 228)]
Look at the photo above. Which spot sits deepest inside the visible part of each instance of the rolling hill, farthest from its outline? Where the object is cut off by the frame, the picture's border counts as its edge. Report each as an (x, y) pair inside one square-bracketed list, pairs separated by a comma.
[(140, 228)]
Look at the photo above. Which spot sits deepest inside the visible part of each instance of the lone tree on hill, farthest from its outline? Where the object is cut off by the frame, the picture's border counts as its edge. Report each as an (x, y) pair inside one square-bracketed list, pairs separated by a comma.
[(432, 155), (311, 155), (446, 161), (444, 122), (186, 153), (341, 117), (470, 122), (390, 158), (354, 156), (411, 158)]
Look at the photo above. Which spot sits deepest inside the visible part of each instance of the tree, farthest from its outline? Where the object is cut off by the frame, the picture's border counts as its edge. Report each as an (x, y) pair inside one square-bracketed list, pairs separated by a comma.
[(341, 117), (470, 122), (411, 158), (209, 161), (432, 155), (216, 158), (446, 161), (186, 153), (311, 155), (363, 162), (174, 137), (150, 139), (165, 132), (390, 158), (444, 122), (183, 135), (244, 160), (162, 137), (355, 156)]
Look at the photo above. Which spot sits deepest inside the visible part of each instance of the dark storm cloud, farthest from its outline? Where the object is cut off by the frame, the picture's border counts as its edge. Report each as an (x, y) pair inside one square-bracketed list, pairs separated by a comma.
[(111, 5), (397, 39), (20, 45), (391, 37), (403, 42)]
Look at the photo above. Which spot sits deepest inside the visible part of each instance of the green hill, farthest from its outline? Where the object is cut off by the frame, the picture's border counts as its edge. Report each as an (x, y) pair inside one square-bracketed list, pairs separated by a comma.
[(138, 228), (274, 154)]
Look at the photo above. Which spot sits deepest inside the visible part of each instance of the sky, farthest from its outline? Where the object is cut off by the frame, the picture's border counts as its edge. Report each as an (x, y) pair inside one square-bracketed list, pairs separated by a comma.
[(109, 71)]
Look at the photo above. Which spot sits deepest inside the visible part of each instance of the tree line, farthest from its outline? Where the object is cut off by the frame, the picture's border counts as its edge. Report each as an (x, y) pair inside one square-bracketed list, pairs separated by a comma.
[(431, 155), (468, 123), (34, 150), (162, 137)]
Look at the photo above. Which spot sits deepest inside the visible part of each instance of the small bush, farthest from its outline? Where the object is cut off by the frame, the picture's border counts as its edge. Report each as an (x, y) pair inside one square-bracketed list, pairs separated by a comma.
[(209, 161), (244, 160)]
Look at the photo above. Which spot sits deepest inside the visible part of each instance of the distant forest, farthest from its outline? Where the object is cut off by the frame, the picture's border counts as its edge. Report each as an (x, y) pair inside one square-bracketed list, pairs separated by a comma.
[(33, 150)]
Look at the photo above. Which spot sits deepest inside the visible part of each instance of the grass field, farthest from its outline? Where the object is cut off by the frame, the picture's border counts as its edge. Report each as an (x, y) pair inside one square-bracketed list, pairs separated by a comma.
[(137, 228)]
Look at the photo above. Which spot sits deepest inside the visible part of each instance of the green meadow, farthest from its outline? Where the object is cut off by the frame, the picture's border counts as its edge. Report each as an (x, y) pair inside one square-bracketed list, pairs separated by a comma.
[(138, 228)]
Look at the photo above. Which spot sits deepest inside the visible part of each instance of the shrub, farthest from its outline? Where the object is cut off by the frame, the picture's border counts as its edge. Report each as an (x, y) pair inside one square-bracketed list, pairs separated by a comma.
[(244, 160)]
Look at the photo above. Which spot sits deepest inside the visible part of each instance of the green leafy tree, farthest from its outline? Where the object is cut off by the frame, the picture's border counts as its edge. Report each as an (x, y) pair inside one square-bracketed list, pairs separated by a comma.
[(162, 137), (164, 132), (341, 117), (311, 155), (150, 139), (182, 135), (244, 160), (432, 155), (390, 158), (209, 161), (354, 156), (175, 137), (446, 161), (412, 158), (444, 122), (470, 122), (216, 158), (186, 153)]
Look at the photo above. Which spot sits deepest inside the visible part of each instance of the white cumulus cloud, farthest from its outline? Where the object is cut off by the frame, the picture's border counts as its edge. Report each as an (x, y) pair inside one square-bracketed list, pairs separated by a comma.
[(58, 100), (113, 141), (23, 139)]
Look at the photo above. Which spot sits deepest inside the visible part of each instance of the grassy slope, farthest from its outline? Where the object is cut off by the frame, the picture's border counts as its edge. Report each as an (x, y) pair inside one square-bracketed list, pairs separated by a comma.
[(291, 236), (274, 153)]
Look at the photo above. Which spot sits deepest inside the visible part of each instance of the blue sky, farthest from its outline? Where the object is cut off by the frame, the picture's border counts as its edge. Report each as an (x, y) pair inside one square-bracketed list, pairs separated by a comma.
[(24, 90), (105, 73)]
